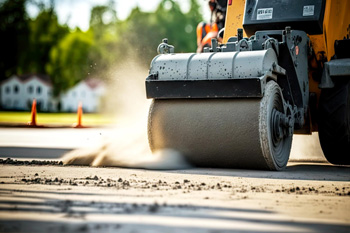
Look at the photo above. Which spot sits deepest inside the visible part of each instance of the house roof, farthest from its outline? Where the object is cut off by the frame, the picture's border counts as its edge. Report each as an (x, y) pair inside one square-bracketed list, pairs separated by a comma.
[(27, 77), (90, 82), (93, 82), (42, 77)]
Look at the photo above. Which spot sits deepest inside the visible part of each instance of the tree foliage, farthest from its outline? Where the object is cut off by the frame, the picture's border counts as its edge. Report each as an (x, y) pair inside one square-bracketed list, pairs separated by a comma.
[(104, 53), (43, 45), (45, 34), (14, 31), (144, 31), (69, 60)]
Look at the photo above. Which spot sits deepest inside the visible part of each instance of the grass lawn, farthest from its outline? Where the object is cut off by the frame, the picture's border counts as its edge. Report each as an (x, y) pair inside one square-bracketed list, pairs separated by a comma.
[(57, 118)]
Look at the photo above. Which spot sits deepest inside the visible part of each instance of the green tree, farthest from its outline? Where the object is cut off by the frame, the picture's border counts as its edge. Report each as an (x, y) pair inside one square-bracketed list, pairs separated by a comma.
[(139, 34), (14, 31), (177, 26), (82, 54), (42, 45), (45, 33), (69, 60), (144, 31), (105, 51)]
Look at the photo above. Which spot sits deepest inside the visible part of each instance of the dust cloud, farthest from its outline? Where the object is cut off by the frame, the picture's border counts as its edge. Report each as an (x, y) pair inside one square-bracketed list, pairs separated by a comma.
[(128, 147)]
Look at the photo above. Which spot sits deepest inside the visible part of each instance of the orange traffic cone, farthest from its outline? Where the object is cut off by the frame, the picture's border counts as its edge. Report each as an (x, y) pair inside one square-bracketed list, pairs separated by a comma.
[(80, 114), (32, 122)]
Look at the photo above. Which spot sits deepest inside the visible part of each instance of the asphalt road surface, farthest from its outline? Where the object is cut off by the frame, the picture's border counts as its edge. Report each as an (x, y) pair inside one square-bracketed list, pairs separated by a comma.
[(52, 143), (306, 197), (48, 143)]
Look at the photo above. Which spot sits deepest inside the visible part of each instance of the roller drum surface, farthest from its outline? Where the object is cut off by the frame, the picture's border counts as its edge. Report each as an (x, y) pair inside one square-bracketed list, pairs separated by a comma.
[(230, 133)]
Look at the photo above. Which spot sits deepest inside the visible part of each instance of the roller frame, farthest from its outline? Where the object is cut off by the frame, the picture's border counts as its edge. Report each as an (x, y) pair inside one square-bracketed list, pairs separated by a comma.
[(202, 89), (225, 87), (289, 71)]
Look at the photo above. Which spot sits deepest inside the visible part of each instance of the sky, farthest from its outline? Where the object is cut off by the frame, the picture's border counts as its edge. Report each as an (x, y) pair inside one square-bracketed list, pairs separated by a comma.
[(77, 12)]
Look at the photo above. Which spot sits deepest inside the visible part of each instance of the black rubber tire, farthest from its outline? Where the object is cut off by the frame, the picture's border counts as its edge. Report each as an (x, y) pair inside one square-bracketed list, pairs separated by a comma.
[(334, 122)]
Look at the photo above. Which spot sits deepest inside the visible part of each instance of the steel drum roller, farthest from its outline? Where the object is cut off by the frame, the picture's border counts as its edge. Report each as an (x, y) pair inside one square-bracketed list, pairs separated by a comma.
[(223, 132)]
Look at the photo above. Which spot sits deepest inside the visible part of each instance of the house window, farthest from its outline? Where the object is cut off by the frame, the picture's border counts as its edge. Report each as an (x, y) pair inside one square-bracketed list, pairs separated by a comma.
[(30, 89), (15, 89), (74, 94), (83, 93), (7, 90), (38, 90)]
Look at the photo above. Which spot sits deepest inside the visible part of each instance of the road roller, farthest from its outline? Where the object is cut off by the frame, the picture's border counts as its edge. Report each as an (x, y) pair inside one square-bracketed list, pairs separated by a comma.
[(283, 68)]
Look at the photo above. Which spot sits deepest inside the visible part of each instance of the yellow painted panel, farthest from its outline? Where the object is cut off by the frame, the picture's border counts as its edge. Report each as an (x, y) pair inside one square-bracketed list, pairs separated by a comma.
[(234, 19), (336, 24)]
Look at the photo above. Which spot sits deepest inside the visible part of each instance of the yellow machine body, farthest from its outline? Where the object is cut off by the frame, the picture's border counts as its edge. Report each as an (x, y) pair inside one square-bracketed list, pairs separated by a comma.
[(336, 26)]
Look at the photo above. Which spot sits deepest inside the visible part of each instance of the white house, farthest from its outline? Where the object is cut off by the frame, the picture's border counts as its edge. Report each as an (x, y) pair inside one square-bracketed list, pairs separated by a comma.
[(18, 92), (88, 92)]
